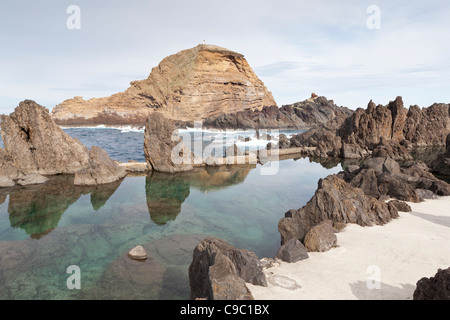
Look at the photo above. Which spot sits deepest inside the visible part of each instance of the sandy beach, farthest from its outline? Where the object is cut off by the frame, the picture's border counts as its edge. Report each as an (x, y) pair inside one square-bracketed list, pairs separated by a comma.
[(381, 262)]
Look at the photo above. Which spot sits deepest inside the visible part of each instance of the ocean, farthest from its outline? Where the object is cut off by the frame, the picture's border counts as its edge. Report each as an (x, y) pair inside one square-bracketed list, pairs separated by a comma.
[(48, 230)]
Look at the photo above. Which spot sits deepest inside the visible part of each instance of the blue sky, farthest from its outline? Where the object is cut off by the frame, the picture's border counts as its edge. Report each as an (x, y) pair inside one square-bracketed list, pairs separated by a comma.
[(295, 47)]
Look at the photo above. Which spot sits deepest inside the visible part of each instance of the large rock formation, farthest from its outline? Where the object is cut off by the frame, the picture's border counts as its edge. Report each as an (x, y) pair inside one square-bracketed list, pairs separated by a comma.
[(389, 130), (300, 115), (339, 202), (163, 147), (219, 271), (193, 84), (35, 144)]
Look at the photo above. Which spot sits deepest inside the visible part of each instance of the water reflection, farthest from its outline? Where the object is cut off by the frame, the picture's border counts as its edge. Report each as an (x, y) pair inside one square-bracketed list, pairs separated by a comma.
[(37, 209), (165, 193)]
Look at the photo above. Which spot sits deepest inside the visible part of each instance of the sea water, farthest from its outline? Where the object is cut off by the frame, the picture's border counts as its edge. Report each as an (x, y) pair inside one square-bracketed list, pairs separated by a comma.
[(45, 229)]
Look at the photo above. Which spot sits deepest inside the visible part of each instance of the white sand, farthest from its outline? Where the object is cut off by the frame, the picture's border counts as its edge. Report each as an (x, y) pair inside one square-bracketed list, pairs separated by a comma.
[(401, 252)]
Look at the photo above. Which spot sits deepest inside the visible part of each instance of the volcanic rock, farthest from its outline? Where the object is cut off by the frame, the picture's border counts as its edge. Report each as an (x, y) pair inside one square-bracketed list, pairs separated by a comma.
[(219, 271), (292, 251), (191, 85), (101, 169), (381, 131), (301, 115), (337, 201), (434, 288), (35, 144), (163, 147), (441, 165), (401, 206), (321, 237)]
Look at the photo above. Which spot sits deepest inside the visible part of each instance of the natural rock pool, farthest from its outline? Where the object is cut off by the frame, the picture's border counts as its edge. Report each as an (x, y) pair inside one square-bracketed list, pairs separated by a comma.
[(46, 228)]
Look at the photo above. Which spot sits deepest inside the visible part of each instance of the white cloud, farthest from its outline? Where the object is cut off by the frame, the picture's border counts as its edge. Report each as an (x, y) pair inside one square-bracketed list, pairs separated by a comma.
[(296, 47)]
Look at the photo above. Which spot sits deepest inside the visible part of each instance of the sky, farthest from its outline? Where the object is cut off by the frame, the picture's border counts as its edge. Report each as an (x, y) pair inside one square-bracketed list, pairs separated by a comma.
[(344, 50)]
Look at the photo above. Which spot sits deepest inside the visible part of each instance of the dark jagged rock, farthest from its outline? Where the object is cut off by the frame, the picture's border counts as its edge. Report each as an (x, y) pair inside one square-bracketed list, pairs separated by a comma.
[(300, 115), (383, 178), (37, 145), (101, 169), (441, 165), (337, 201), (434, 288), (381, 131), (219, 271), (292, 251), (163, 147), (427, 126)]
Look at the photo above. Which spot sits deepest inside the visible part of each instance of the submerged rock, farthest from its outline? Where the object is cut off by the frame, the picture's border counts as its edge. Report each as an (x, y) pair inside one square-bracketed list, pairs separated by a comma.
[(101, 169), (138, 253), (219, 271)]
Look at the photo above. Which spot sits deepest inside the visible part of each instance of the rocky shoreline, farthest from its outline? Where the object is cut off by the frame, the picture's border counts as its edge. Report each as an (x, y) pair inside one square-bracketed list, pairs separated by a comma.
[(381, 137)]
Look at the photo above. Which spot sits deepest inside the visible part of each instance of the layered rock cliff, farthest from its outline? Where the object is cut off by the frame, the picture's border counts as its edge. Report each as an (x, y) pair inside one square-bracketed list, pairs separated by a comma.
[(193, 84)]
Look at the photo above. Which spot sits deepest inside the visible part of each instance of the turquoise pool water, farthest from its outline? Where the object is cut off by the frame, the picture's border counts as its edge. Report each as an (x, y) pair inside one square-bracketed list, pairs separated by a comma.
[(47, 228)]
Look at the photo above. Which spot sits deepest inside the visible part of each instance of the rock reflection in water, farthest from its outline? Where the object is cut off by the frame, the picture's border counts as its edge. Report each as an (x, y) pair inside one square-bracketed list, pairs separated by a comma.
[(166, 193), (37, 209)]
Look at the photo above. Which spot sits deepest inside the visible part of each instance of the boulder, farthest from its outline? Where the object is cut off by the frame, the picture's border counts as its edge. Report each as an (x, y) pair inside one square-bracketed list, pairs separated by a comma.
[(434, 288), (163, 147), (401, 206), (382, 165), (219, 271), (32, 178), (292, 251), (37, 145), (101, 169), (321, 237)]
